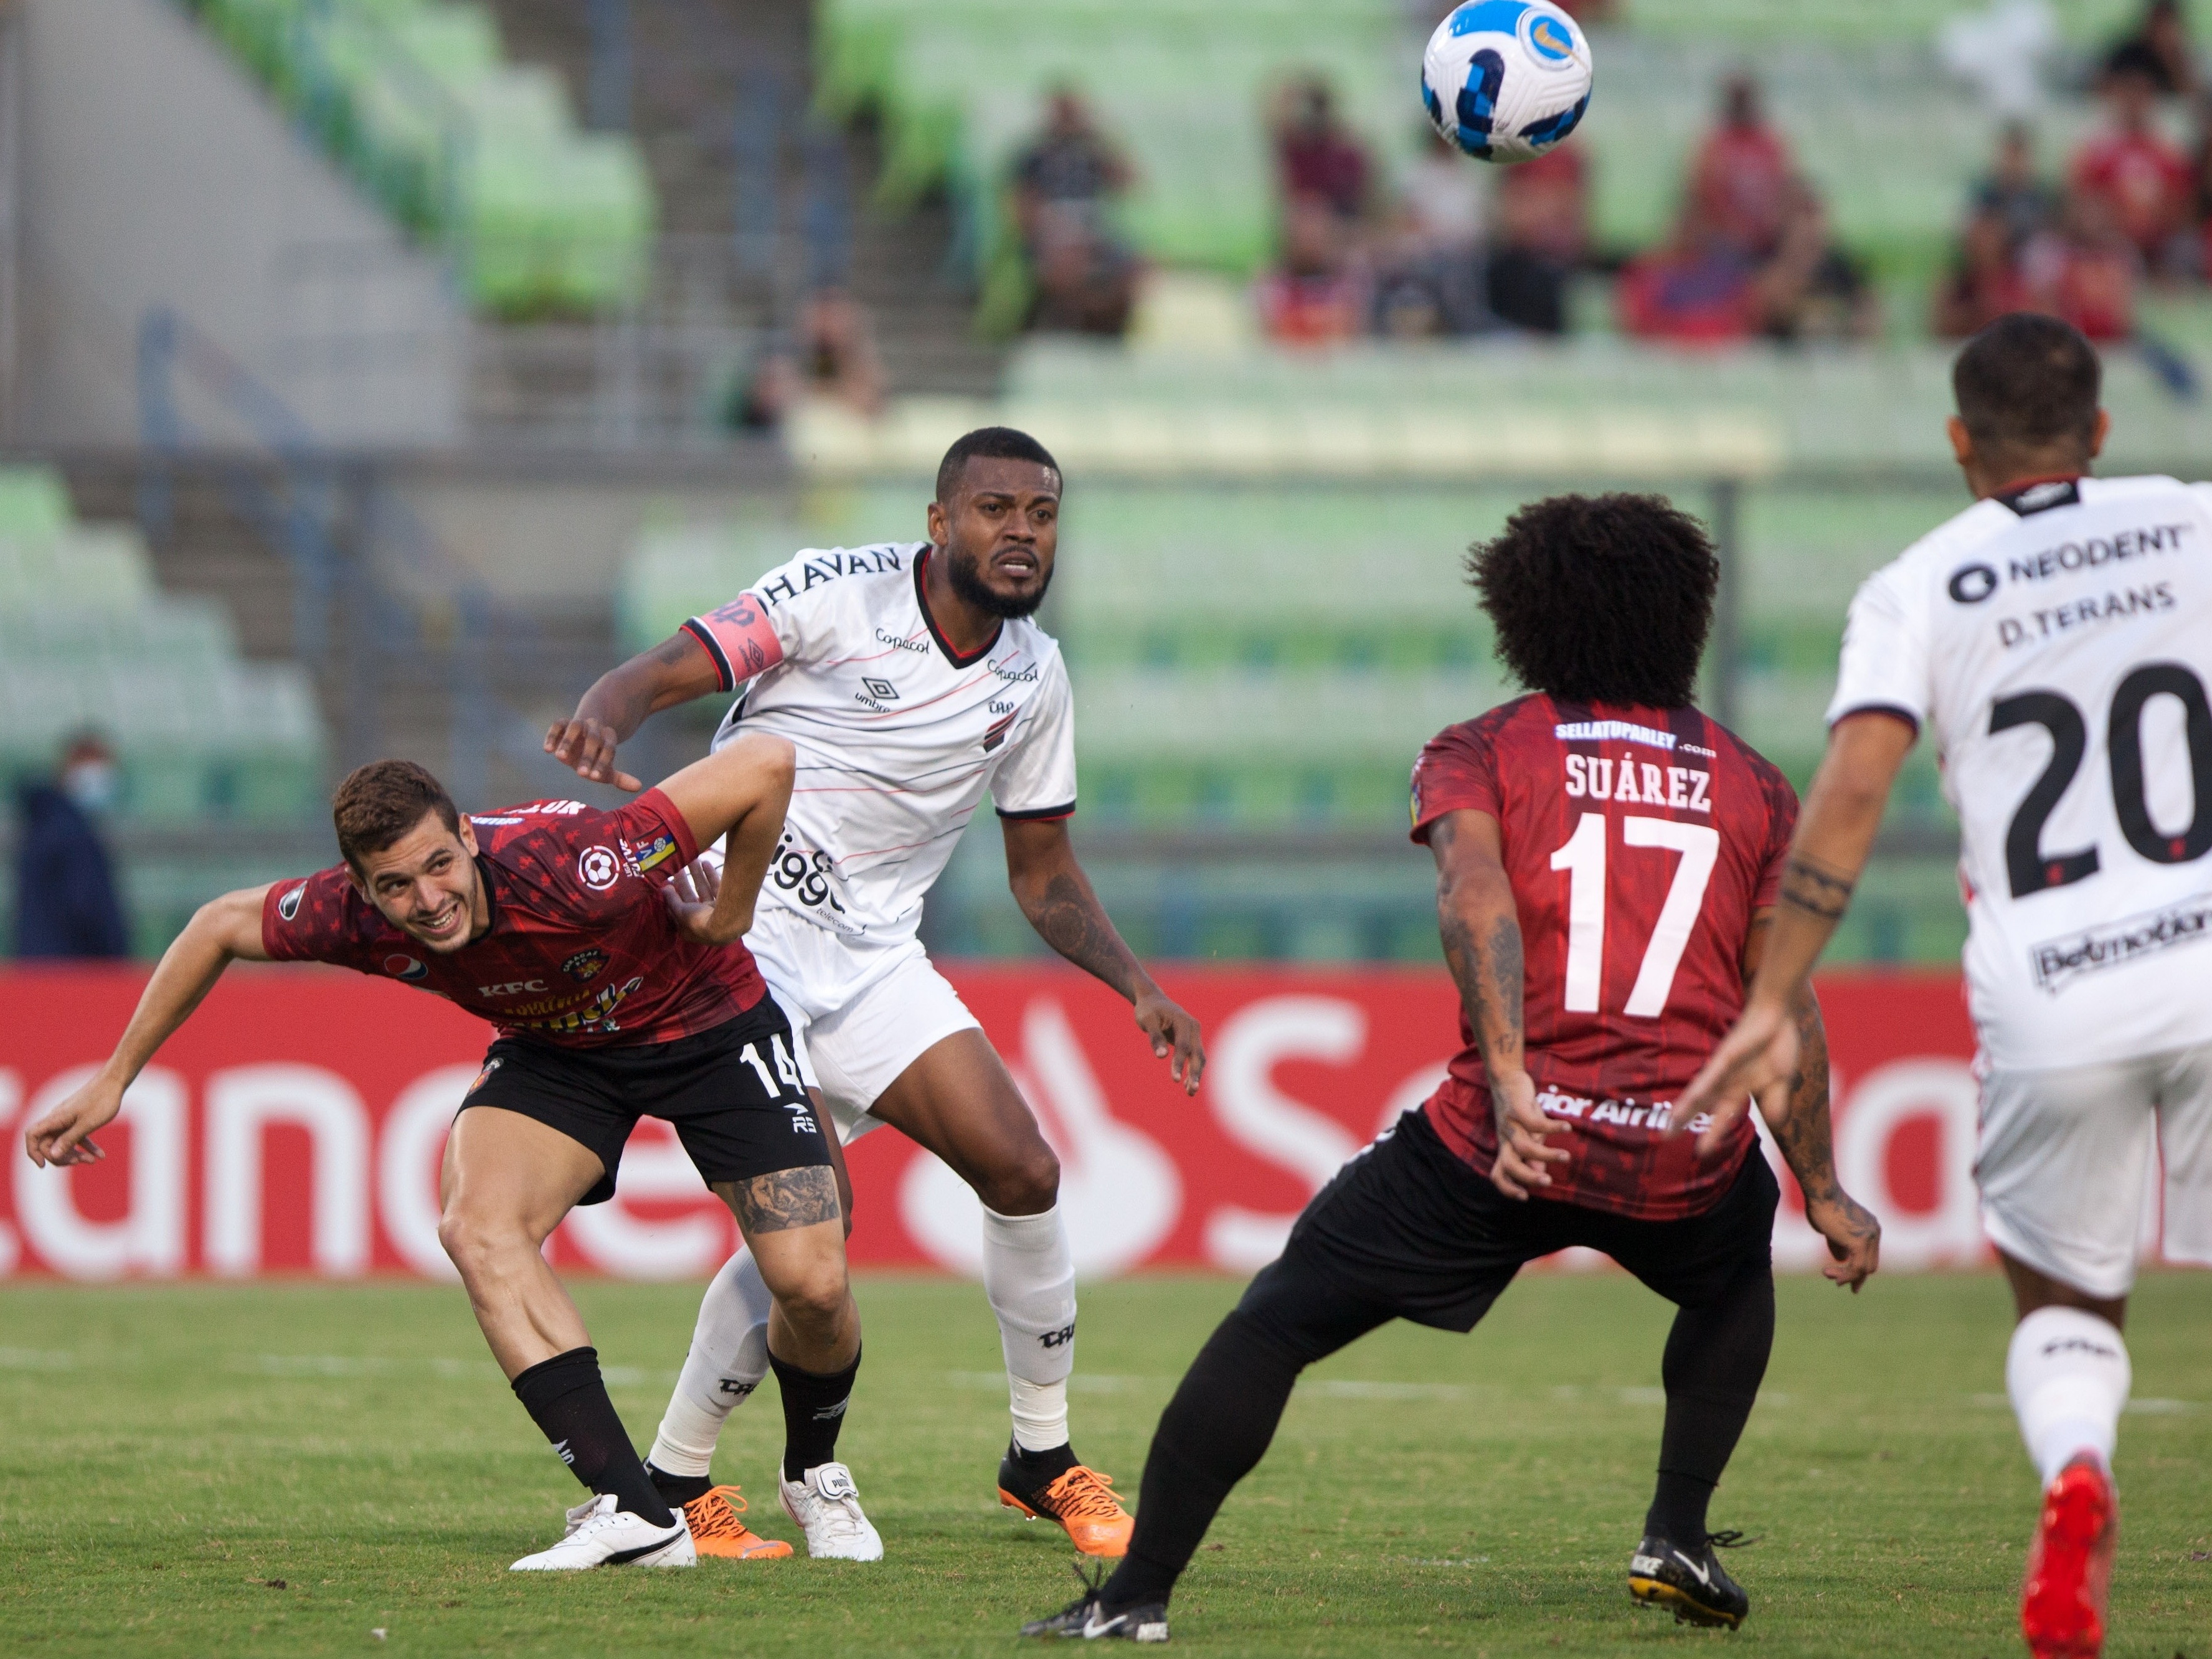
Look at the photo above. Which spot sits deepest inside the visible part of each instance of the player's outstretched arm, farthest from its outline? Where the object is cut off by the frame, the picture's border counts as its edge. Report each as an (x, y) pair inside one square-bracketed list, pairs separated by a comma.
[(1481, 930), (621, 699), (221, 932), (1056, 896), (738, 795), (1836, 832)]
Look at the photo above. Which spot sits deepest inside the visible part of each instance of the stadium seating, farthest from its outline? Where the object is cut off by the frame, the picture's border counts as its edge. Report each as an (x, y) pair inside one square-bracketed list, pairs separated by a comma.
[(485, 155), (88, 640)]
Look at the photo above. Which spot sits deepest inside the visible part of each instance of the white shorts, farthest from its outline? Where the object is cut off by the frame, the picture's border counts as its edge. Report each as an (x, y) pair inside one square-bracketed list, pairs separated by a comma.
[(2068, 1160), (855, 1032)]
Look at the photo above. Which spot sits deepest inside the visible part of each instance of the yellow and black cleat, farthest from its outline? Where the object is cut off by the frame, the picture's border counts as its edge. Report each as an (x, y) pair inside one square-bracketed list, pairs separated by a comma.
[(1690, 1583)]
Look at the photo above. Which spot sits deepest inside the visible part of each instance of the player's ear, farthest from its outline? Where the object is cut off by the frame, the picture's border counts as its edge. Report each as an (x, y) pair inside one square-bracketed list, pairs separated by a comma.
[(940, 524), (1962, 441), (468, 834), (2102, 430)]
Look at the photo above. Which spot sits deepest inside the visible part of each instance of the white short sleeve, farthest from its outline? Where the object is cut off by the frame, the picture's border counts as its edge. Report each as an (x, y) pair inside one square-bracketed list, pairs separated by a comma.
[(1037, 779), (1886, 663)]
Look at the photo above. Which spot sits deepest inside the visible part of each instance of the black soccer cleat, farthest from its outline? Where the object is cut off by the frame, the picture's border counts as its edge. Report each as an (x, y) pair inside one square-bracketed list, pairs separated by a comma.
[(1087, 1618), (1691, 1583)]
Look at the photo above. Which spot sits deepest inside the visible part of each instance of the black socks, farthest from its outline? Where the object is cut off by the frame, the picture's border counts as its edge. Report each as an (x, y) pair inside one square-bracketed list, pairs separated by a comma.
[(1715, 1358), (679, 1489), (1041, 1468), (1677, 1510), (813, 1412), (566, 1398)]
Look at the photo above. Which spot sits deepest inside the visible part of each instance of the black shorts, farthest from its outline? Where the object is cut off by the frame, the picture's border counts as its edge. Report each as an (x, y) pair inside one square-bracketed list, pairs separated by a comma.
[(733, 1093), (1410, 1231)]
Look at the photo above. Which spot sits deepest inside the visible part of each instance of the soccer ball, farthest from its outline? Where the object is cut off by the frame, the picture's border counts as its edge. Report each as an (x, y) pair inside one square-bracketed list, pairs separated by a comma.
[(1505, 80)]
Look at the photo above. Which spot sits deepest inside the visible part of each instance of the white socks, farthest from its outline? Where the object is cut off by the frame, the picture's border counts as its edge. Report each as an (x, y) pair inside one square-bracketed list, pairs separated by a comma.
[(2067, 1375), (1028, 1276), (728, 1357)]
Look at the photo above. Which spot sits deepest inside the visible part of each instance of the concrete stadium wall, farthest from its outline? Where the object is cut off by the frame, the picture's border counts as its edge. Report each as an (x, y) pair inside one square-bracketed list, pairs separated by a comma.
[(157, 172)]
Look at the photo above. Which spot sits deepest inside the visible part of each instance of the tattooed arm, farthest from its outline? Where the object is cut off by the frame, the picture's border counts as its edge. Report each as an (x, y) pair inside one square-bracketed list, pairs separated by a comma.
[(1055, 896), (1481, 930), (1835, 833)]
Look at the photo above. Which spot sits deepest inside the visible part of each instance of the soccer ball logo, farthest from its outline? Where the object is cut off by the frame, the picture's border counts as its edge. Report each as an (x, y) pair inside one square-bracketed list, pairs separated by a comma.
[(598, 868), (1505, 80)]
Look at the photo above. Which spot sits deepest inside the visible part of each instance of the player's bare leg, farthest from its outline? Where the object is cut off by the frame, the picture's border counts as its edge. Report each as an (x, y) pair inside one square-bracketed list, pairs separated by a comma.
[(506, 1182), (2068, 1376)]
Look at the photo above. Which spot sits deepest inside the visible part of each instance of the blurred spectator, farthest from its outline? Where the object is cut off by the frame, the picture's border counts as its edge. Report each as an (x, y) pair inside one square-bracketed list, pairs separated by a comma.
[(2143, 182), (1985, 280), (1316, 293), (2004, 54), (1317, 158), (2020, 202), (1543, 239), (2159, 51), (1741, 179), (1065, 184), (65, 902), (832, 355), (1431, 263), (1815, 288), (1700, 289), (2088, 271)]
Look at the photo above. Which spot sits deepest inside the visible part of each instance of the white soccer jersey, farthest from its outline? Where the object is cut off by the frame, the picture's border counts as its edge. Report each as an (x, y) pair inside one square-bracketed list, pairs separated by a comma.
[(899, 736), (2058, 640)]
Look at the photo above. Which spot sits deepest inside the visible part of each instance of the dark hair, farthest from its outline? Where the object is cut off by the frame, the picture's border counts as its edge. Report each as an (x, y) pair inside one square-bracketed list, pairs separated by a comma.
[(378, 803), (1601, 599), (2027, 382), (987, 443)]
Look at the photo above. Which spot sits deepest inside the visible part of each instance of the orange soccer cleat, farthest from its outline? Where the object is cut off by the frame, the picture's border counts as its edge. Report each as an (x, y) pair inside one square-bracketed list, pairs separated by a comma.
[(1081, 1499), (717, 1530), (2069, 1567)]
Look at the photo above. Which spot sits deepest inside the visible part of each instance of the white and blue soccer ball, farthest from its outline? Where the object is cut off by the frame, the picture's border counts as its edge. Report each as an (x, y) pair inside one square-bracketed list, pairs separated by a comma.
[(1506, 80)]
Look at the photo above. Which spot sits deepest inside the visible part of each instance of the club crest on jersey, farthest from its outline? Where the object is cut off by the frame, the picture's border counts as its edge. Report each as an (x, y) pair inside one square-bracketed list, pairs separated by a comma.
[(406, 967), (997, 734), (586, 966), (599, 868), (287, 908)]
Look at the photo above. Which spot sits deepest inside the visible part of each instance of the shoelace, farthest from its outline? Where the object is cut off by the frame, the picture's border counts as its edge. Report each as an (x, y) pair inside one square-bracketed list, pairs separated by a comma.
[(718, 1520), (1084, 1494), (1731, 1540)]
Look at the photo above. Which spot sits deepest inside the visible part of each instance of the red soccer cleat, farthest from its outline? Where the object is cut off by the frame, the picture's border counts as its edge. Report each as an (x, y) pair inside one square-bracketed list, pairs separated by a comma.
[(2069, 1565)]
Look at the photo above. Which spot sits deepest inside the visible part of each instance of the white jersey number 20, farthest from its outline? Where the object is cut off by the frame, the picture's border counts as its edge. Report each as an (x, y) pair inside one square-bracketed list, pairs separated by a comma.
[(1583, 858)]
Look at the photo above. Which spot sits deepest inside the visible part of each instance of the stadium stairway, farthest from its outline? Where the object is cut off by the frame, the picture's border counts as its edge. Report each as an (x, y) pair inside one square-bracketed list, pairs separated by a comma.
[(691, 60)]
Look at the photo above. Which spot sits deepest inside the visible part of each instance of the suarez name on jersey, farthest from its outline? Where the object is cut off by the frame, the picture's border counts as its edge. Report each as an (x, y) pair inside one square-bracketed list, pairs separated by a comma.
[(581, 952), (899, 736), (1639, 843), (2057, 639)]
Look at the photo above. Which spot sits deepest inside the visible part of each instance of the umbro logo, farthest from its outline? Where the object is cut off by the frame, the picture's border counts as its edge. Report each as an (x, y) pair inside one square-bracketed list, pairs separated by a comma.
[(881, 689)]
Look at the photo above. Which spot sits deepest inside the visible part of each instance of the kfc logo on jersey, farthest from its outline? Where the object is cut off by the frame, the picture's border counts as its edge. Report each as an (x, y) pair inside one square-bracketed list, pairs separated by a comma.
[(406, 967), (514, 988), (586, 966), (287, 908), (599, 868)]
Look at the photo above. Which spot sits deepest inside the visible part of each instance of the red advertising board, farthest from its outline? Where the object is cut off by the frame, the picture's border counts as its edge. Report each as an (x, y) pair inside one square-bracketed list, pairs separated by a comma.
[(294, 1125)]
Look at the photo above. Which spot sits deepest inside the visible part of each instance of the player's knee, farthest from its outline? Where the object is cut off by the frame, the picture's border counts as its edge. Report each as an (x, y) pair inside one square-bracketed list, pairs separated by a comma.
[(1027, 1183), (473, 1242), (816, 1296)]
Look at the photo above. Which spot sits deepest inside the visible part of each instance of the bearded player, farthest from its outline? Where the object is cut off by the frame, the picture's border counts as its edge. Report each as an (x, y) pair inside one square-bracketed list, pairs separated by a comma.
[(912, 681), (1627, 849), (613, 998), (2055, 640)]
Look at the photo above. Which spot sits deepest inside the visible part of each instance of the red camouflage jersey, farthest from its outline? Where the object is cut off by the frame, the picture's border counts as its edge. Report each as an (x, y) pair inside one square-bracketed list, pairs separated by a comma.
[(1639, 843), (581, 952)]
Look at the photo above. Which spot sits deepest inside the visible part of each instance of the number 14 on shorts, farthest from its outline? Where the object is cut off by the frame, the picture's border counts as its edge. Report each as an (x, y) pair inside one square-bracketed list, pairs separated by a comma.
[(783, 1080)]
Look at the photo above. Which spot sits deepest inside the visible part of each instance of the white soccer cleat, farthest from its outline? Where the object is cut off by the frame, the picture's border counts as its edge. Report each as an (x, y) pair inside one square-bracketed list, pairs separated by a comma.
[(602, 1535), (827, 1505)]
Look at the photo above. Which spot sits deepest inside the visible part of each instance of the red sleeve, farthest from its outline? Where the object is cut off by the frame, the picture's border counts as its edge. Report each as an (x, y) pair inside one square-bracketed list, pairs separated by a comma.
[(1457, 771), (654, 836), (1782, 826), (321, 919)]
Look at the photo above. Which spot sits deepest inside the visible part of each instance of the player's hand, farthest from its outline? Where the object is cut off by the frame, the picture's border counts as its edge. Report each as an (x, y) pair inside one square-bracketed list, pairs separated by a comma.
[(1521, 1127), (1173, 1033), (1854, 1235), (63, 1136), (1757, 1058), (589, 746), (690, 895)]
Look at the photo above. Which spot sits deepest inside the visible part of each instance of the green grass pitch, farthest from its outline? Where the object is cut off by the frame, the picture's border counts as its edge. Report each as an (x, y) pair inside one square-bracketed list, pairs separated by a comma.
[(299, 1469)]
